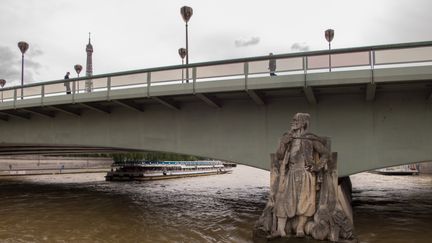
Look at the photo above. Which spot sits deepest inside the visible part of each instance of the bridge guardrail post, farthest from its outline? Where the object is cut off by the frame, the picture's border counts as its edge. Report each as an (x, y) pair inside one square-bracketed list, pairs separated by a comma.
[(109, 88), (15, 97), (371, 87), (194, 77), (246, 73), (305, 64), (372, 64), (42, 94), (73, 91), (148, 83), (306, 89), (305, 67)]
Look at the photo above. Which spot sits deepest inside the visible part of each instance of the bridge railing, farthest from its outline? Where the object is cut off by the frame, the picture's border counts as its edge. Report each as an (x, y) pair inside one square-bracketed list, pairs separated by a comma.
[(370, 57)]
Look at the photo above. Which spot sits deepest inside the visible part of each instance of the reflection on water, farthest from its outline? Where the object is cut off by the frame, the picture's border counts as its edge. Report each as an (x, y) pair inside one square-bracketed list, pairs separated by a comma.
[(221, 208)]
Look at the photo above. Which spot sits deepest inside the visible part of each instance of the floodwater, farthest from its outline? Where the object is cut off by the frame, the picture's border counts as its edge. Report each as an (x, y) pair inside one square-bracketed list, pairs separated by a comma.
[(394, 209), (220, 208)]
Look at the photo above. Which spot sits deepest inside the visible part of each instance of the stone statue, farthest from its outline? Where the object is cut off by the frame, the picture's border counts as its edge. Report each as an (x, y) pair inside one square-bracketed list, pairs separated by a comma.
[(303, 196)]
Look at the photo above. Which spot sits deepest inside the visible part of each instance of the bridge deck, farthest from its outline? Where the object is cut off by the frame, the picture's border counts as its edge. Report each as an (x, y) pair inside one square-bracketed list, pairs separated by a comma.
[(329, 83)]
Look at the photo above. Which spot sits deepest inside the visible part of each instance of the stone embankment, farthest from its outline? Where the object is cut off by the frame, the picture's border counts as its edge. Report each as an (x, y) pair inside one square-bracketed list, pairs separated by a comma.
[(39, 165)]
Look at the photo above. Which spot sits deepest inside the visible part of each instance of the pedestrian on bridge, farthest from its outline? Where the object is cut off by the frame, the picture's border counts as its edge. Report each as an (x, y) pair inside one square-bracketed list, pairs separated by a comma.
[(272, 65), (67, 83)]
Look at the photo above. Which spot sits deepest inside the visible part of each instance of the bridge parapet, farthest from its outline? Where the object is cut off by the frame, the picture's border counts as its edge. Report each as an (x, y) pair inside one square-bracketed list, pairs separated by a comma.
[(234, 110), (244, 70)]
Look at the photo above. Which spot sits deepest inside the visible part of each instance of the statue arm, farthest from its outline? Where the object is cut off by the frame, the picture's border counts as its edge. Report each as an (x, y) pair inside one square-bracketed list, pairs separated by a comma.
[(283, 146), (324, 154)]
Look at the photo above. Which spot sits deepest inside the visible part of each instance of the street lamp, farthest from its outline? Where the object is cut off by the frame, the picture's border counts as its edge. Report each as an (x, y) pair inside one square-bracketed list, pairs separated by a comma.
[(78, 69), (2, 84), (23, 46), (329, 34), (186, 13), (182, 52)]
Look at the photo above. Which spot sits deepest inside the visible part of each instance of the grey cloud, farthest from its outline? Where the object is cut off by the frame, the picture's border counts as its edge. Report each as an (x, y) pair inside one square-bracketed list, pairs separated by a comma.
[(299, 47), (250, 42), (10, 65), (35, 52), (32, 65)]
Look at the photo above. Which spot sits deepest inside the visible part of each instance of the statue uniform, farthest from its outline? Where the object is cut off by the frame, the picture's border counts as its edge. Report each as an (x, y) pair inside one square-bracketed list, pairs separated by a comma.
[(297, 189)]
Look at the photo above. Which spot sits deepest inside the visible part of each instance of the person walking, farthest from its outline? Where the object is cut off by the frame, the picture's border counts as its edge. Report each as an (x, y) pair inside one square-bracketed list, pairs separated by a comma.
[(67, 83), (272, 65)]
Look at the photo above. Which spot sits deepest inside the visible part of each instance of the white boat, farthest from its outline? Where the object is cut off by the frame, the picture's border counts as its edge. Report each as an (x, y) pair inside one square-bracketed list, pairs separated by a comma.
[(399, 170), (149, 170)]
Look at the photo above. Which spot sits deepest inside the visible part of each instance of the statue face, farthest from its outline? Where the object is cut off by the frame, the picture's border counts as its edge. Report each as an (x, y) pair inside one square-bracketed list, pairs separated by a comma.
[(296, 123)]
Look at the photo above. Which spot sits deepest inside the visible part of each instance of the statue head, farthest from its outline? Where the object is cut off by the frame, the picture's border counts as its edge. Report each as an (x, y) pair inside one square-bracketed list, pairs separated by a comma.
[(300, 121)]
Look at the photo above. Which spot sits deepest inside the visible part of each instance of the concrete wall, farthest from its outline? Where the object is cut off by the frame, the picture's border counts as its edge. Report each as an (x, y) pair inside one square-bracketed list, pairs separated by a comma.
[(33, 162)]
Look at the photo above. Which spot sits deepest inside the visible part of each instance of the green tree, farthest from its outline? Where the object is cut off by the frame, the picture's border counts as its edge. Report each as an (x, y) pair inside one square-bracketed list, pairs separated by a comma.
[(136, 157)]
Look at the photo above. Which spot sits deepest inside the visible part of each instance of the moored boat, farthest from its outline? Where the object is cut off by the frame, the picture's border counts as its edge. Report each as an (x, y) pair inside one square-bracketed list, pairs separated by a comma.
[(399, 170), (151, 170)]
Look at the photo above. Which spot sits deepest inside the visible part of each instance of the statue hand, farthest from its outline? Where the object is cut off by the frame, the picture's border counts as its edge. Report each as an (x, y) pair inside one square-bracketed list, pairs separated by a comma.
[(317, 167)]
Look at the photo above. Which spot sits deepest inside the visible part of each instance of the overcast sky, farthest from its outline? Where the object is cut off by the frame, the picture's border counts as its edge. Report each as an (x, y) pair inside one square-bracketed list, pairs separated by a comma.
[(136, 34)]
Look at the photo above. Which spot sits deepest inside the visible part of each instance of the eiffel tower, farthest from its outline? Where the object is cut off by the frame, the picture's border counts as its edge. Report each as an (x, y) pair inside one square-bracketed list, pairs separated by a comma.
[(89, 67)]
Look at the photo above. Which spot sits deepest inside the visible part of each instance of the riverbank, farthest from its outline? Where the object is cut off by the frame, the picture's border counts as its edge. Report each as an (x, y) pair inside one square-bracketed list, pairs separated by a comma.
[(49, 165)]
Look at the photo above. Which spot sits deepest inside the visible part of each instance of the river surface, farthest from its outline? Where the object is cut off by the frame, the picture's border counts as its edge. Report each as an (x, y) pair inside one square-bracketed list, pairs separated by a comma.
[(220, 208)]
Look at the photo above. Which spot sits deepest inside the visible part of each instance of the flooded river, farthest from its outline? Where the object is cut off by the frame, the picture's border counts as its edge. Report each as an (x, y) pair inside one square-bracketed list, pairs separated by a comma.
[(221, 208)]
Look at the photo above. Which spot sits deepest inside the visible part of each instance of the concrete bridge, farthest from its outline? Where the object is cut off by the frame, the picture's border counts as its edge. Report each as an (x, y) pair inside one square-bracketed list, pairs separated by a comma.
[(375, 104)]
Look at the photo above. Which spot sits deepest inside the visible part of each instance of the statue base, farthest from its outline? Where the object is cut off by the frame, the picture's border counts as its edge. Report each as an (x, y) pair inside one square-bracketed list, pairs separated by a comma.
[(260, 236)]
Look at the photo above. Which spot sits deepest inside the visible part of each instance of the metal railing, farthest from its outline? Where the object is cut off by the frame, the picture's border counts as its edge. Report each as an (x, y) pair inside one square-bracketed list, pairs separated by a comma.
[(369, 57)]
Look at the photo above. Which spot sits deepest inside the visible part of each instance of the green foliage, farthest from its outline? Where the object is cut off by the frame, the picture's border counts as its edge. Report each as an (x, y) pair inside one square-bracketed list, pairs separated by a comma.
[(136, 157)]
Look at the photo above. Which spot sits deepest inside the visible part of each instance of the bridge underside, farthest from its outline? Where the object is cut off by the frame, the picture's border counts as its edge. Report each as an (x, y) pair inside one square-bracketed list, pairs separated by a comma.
[(28, 149), (371, 124)]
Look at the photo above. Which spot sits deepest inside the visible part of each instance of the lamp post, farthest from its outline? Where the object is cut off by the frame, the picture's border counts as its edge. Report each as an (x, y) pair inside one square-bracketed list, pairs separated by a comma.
[(2, 84), (329, 34), (78, 69), (182, 52), (186, 13), (23, 46)]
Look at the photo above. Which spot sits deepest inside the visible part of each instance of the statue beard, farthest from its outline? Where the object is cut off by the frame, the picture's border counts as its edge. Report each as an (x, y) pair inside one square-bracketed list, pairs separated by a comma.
[(297, 132)]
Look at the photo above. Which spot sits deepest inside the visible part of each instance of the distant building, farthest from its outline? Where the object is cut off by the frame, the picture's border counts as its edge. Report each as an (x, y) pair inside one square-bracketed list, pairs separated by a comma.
[(89, 67)]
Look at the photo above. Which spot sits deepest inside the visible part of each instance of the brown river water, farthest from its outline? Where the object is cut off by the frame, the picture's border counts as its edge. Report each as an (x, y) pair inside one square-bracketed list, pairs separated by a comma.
[(220, 208)]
